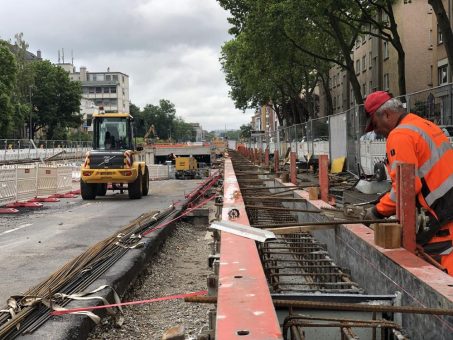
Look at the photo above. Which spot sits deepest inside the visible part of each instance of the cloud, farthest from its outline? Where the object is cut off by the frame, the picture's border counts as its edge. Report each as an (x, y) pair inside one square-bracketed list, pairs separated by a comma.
[(170, 50)]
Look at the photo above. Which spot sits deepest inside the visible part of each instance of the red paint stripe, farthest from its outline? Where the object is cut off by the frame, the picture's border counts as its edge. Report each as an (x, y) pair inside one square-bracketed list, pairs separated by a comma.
[(140, 302)]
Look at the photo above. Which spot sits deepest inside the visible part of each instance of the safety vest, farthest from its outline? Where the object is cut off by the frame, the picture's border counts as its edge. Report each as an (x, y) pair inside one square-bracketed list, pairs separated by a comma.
[(418, 141)]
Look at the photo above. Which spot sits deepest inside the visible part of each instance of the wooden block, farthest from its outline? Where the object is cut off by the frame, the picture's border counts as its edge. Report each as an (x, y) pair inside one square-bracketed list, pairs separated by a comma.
[(284, 176), (313, 193), (387, 235)]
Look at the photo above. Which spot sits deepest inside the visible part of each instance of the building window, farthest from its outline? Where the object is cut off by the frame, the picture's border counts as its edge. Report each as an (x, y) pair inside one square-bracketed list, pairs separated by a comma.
[(363, 89), (106, 90), (115, 77), (370, 86), (91, 90), (370, 60), (363, 63), (440, 36), (442, 74), (386, 49), (98, 89), (386, 82), (108, 77), (113, 90), (357, 66), (100, 77)]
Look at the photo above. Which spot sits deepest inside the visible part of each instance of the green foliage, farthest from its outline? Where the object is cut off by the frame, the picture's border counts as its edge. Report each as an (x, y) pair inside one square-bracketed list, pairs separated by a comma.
[(163, 116), (8, 73), (55, 99), (78, 135), (245, 131)]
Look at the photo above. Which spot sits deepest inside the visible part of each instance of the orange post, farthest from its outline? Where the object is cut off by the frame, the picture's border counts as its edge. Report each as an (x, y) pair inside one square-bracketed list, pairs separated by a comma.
[(293, 168), (405, 204), (324, 177)]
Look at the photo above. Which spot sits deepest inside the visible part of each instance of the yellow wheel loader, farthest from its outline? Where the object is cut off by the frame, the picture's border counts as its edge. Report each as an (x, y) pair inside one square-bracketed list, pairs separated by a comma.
[(113, 163)]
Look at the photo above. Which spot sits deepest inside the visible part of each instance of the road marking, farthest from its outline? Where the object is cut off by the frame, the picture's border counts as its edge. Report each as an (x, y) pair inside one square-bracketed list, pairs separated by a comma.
[(17, 228)]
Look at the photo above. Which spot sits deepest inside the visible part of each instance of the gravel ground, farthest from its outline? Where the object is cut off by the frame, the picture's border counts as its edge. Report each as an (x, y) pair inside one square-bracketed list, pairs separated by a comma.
[(180, 267)]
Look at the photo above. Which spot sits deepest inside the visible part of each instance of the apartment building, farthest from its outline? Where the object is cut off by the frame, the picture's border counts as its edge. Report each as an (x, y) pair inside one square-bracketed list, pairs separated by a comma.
[(109, 90), (376, 61)]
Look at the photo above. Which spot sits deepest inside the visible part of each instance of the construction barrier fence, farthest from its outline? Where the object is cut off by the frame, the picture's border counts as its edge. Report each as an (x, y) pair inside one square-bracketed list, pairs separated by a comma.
[(20, 183), (342, 134)]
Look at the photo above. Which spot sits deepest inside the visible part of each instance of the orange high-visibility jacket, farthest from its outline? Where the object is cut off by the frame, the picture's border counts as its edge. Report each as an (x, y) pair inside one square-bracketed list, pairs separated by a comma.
[(418, 141)]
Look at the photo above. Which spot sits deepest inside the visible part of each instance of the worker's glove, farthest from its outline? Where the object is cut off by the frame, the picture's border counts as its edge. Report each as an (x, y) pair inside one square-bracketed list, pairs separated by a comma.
[(372, 214)]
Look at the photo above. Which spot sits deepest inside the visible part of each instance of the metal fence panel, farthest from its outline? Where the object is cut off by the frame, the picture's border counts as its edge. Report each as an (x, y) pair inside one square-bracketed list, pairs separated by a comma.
[(7, 185), (26, 182), (47, 180), (64, 179), (337, 136)]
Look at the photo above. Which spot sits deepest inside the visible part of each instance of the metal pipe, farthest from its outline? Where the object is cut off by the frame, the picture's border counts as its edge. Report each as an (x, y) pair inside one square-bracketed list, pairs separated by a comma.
[(339, 306), (301, 224), (262, 207)]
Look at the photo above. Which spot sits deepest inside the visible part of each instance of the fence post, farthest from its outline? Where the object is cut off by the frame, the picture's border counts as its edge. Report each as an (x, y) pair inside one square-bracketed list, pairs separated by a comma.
[(405, 203), (293, 168), (324, 177)]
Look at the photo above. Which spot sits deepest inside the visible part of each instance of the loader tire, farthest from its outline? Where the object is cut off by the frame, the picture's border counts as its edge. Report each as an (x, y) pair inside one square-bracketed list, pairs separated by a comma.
[(101, 189), (88, 190), (145, 184), (135, 188)]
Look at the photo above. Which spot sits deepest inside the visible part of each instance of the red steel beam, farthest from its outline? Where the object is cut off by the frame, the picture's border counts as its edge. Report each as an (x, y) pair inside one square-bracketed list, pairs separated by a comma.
[(293, 168), (276, 162), (324, 177), (244, 305), (405, 202)]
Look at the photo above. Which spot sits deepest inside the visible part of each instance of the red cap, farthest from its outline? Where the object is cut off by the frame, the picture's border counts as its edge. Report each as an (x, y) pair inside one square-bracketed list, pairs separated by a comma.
[(372, 103)]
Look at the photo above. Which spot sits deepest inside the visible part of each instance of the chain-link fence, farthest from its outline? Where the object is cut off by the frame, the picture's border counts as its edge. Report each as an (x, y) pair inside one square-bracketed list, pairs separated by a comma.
[(342, 134)]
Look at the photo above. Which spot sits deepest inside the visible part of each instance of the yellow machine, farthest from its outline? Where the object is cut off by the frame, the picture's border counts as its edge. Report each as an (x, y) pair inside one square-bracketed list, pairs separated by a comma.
[(185, 167), (114, 159)]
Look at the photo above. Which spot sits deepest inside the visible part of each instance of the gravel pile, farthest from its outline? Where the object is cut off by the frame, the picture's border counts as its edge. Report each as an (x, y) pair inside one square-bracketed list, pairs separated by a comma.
[(180, 267)]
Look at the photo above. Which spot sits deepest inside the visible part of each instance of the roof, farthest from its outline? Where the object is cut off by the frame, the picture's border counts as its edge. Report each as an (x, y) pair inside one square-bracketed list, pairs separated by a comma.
[(112, 115)]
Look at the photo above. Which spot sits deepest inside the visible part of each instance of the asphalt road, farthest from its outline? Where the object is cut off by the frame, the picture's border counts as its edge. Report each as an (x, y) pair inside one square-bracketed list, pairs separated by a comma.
[(35, 243)]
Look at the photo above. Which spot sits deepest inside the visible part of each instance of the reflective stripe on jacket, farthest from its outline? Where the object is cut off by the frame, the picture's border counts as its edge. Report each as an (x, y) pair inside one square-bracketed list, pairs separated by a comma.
[(418, 141)]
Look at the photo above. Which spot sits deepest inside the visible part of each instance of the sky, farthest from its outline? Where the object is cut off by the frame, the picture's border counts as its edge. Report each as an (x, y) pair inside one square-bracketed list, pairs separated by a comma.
[(169, 48)]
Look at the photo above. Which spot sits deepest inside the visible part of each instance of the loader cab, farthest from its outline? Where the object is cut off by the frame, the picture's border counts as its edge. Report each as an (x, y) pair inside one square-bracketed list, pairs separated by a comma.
[(112, 132)]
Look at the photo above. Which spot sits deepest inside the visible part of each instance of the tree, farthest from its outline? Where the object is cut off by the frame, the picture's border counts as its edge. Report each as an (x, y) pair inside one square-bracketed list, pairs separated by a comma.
[(55, 99), (8, 72), (376, 18), (262, 67), (246, 130), (161, 117), (182, 131), (139, 124), (23, 86)]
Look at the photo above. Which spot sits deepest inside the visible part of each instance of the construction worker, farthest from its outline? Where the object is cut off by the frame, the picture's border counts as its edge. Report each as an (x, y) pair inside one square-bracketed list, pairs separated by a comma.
[(412, 139)]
